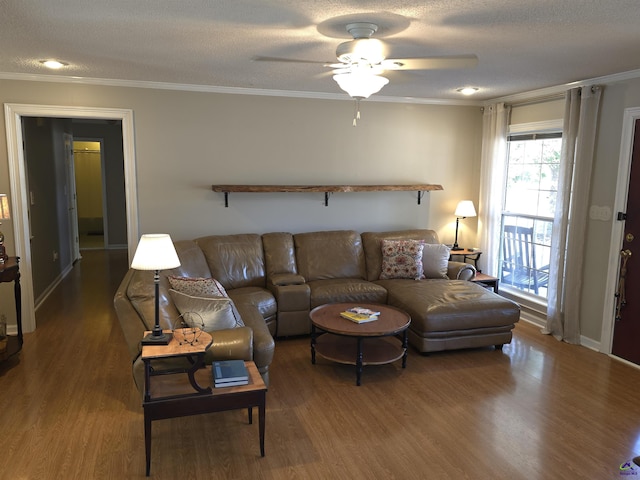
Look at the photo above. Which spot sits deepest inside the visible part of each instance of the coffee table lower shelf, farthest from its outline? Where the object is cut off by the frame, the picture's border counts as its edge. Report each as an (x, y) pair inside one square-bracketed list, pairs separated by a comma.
[(375, 351)]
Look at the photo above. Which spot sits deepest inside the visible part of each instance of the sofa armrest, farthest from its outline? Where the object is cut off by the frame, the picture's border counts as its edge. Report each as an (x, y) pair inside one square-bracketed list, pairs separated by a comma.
[(284, 279), (263, 343), (461, 271)]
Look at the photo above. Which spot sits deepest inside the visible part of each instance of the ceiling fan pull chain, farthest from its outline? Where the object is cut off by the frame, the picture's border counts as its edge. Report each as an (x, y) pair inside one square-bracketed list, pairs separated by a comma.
[(356, 113)]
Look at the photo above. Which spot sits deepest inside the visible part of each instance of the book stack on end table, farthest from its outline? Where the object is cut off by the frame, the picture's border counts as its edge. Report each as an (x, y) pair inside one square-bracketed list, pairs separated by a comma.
[(229, 373)]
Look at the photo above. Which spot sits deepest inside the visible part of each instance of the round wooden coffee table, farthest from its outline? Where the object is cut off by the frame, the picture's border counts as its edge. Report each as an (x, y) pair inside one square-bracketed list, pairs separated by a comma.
[(340, 340)]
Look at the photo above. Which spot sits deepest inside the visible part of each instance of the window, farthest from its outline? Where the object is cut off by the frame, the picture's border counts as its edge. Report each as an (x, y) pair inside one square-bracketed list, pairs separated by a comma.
[(533, 166)]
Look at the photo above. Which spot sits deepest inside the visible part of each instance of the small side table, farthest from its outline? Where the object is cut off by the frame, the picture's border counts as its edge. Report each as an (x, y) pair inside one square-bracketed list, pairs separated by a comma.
[(169, 395), (10, 272), (487, 281), (466, 254)]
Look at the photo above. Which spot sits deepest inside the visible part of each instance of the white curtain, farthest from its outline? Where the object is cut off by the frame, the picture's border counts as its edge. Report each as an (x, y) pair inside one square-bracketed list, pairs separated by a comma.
[(495, 123), (570, 222)]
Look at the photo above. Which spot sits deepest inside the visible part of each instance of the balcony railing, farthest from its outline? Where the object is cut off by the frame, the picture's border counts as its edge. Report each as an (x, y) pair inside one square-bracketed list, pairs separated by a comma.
[(525, 253)]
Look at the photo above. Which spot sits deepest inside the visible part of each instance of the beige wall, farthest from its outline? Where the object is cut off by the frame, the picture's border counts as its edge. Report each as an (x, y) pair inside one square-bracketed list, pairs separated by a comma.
[(616, 97), (187, 141)]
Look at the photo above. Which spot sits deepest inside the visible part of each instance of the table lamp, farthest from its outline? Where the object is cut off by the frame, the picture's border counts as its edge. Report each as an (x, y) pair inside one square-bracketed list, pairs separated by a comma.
[(155, 252), (464, 209), (4, 215)]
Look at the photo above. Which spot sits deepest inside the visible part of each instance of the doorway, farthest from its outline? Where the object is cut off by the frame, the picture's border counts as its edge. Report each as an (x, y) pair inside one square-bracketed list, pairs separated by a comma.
[(622, 330), (90, 194), (626, 331), (14, 114)]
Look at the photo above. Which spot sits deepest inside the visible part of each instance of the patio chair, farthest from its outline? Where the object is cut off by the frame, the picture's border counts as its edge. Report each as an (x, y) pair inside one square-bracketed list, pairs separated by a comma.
[(519, 267)]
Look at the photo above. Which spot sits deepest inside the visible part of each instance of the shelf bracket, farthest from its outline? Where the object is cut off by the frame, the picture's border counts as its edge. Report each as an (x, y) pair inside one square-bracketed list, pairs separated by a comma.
[(326, 199), (420, 195), (226, 199)]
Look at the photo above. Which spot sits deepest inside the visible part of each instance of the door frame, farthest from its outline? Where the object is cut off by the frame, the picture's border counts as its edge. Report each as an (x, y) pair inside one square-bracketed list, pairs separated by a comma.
[(631, 115), (17, 181)]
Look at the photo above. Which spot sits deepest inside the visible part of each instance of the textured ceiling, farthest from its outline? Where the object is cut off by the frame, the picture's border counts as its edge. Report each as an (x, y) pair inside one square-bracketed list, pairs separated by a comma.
[(522, 45)]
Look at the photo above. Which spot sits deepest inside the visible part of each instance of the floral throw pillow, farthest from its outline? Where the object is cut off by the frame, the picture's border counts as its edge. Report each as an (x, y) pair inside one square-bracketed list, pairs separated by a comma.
[(197, 287), (402, 259)]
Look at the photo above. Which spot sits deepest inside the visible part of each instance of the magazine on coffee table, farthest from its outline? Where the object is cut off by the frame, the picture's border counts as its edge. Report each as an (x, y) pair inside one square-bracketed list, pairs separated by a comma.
[(360, 315)]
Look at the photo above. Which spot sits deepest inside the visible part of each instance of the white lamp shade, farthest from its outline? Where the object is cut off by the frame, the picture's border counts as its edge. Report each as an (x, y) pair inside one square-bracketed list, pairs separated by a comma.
[(155, 252), (359, 84), (465, 209)]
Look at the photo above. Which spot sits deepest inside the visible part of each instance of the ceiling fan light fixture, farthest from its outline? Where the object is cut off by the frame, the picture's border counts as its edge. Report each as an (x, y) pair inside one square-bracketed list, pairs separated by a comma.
[(360, 85), (369, 50)]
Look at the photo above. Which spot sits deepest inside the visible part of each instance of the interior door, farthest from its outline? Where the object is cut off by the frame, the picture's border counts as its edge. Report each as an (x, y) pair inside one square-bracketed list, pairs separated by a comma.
[(626, 333), (71, 198)]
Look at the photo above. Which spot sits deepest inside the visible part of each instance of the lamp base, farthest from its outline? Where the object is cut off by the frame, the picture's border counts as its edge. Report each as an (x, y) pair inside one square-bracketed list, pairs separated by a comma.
[(455, 248), (155, 339)]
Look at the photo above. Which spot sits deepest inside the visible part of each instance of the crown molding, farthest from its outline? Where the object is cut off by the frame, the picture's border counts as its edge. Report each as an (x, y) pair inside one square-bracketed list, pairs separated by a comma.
[(556, 91), (535, 95), (109, 82)]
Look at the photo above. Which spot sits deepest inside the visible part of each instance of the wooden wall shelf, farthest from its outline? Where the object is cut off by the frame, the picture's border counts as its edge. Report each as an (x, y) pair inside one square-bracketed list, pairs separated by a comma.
[(327, 189)]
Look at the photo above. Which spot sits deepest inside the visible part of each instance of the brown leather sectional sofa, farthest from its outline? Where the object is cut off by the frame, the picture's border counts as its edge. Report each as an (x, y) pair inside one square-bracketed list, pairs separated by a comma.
[(275, 279)]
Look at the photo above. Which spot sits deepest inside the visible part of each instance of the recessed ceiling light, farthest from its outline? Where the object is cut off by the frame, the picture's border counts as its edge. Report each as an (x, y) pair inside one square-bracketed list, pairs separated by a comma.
[(54, 64), (468, 90)]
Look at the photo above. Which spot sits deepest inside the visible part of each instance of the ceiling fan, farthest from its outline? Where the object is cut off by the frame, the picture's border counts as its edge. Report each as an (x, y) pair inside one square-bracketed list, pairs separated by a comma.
[(363, 61)]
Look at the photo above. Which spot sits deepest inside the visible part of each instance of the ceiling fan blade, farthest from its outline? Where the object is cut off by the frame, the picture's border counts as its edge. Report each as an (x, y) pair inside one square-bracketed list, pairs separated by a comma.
[(288, 60), (430, 63)]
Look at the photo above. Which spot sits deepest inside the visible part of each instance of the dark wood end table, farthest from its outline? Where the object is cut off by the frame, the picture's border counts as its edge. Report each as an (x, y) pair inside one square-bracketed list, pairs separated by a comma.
[(372, 343), (487, 281), (170, 395), (10, 272)]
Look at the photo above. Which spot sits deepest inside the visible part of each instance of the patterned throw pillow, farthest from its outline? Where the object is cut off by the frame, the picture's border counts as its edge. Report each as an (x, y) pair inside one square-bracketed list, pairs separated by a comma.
[(197, 287), (402, 259), (435, 259), (216, 313)]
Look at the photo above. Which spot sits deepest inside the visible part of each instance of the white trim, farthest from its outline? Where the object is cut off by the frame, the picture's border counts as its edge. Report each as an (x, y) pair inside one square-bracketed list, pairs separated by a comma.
[(617, 227), (515, 98), (17, 181), (559, 89), (109, 82), (626, 362)]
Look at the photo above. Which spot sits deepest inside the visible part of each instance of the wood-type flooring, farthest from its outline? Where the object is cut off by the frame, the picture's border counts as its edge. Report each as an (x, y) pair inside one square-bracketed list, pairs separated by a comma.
[(539, 409)]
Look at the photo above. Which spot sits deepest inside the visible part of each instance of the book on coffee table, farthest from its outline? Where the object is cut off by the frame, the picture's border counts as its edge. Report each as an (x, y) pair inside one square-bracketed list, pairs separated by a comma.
[(227, 373), (360, 315)]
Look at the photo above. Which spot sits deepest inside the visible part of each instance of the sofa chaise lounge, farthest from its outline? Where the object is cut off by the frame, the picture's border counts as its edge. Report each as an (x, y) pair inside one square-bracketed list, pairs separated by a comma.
[(275, 279)]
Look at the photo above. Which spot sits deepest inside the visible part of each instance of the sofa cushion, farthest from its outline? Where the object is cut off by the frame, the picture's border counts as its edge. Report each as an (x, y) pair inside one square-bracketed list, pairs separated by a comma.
[(372, 244), (213, 312), (331, 254), (235, 260), (449, 305), (402, 259), (279, 253), (345, 290), (260, 298), (435, 260), (192, 261), (197, 286)]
